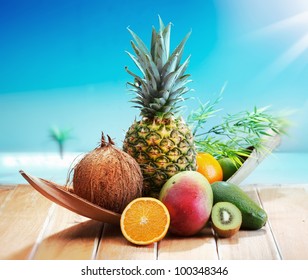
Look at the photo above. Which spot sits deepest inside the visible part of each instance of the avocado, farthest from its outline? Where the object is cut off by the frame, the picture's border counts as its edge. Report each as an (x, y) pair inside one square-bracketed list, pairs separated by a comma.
[(253, 216)]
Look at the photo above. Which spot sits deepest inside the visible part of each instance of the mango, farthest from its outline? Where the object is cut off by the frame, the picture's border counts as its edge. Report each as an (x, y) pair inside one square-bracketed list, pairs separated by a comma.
[(188, 197)]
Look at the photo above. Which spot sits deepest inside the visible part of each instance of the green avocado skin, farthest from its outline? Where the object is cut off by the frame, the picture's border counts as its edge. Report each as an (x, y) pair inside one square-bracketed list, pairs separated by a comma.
[(254, 217)]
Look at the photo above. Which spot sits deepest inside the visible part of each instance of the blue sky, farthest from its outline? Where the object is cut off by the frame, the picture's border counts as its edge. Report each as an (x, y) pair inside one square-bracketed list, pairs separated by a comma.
[(62, 63), (55, 44)]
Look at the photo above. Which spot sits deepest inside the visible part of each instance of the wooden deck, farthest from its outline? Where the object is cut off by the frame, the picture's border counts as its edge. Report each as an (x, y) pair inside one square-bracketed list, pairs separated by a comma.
[(32, 227)]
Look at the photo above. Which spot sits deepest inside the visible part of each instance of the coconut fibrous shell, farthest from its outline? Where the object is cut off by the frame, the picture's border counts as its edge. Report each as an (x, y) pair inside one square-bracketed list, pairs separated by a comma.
[(108, 177)]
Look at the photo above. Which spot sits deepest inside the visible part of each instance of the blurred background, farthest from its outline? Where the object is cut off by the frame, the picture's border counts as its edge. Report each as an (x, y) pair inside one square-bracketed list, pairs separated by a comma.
[(62, 66)]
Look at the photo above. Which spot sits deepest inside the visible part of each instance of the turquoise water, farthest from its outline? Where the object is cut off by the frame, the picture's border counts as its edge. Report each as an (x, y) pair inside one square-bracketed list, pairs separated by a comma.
[(277, 168), (281, 168), (62, 64)]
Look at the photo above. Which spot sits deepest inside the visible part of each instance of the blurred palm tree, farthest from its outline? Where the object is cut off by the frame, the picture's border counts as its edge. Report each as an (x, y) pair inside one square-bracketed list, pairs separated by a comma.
[(60, 136)]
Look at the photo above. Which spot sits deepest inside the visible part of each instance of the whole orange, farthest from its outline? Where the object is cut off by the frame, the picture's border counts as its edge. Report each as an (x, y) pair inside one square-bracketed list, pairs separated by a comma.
[(209, 167)]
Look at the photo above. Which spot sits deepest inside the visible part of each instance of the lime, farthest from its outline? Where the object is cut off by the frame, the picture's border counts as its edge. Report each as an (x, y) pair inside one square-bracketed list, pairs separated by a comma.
[(228, 168)]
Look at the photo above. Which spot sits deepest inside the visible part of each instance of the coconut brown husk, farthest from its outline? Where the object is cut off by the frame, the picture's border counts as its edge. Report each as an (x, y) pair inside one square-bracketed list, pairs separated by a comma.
[(108, 177)]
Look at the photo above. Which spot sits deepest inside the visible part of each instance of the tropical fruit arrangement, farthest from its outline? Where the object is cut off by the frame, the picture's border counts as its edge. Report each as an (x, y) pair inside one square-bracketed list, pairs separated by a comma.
[(171, 175)]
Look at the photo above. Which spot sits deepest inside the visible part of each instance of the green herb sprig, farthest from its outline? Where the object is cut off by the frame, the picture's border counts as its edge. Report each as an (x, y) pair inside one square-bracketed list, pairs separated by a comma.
[(237, 134)]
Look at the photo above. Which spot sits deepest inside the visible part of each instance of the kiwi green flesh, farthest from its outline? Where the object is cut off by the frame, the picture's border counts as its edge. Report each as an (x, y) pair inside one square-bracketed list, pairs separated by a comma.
[(226, 219)]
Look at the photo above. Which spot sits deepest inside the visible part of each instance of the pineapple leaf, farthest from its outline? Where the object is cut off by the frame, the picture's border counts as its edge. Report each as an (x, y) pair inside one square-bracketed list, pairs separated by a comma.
[(179, 49), (183, 67), (166, 36), (142, 62), (159, 52), (153, 42), (153, 68), (180, 91), (161, 24), (181, 82), (170, 66), (164, 94), (172, 77), (135, 87), (138, 107), (163, 54), (165, 32), (139, 42), (137, 101), (160, 101), (148, 69), (169, 81), (140, 81), (136, 62), (151, 80)]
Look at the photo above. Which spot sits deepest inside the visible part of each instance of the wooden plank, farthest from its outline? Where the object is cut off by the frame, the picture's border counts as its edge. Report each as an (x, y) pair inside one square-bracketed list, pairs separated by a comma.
[(32, 227), (114, 246), (249, 245), (288, 212), (198, 247), (68, 236), (21, 220), (6, 191)]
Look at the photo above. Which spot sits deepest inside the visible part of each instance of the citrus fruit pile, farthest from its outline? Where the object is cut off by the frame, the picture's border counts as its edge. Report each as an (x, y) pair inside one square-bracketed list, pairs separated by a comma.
[(215, 170)]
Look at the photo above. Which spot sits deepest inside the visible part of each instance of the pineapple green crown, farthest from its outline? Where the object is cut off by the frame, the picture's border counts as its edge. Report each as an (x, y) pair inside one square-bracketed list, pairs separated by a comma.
[(164, 80)]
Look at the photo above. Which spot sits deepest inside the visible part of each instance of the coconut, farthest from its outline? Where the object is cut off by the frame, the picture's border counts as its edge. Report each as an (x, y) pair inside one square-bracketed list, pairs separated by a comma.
[(108, 177)]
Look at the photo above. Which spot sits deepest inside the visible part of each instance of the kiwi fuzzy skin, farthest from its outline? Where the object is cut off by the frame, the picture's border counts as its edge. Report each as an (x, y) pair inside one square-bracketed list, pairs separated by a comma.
[(225, 233)]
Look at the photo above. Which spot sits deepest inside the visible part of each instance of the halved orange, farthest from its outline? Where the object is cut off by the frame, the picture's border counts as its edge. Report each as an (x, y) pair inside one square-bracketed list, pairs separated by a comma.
[(145, 220)]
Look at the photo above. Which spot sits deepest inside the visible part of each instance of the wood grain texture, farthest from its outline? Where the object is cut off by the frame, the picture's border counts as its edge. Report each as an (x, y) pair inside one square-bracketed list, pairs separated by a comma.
[(33, 227), (68, 236), (5, 194), (113, 246), (21, 221), (199, 247), (288, 212), (249, 245)]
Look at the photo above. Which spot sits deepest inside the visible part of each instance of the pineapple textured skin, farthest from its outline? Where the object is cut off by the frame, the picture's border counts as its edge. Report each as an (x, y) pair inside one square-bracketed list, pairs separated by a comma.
[(162, 147)]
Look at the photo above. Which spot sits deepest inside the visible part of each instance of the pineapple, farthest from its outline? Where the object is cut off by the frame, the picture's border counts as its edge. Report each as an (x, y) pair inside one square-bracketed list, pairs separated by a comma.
[(161, 142)]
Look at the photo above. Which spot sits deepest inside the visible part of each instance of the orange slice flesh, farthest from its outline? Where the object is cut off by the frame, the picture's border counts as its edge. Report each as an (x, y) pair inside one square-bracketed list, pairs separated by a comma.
[(145, 220)]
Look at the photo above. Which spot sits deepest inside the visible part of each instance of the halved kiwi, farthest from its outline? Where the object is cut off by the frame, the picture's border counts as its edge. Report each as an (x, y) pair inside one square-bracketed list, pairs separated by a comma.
[(226, 219)]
